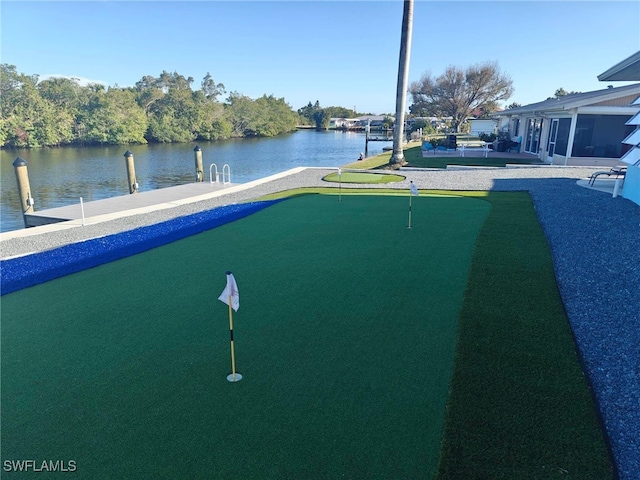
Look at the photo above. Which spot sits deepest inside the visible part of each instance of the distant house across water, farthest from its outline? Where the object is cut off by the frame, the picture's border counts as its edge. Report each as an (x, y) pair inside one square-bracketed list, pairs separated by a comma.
[(375, 122)]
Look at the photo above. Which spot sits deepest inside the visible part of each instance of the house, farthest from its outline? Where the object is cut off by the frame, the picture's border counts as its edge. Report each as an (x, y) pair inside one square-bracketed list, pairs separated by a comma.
[(343, 123), (576, 129), (629, 70), (375, 122), (483, 125)]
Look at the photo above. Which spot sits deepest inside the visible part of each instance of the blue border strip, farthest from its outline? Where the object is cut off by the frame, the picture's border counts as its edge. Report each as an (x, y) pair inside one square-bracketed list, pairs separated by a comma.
[(30, 270)]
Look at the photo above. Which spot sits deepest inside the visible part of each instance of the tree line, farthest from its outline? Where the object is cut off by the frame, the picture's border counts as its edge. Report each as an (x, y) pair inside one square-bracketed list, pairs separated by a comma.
[(315, 115), (166, 109)]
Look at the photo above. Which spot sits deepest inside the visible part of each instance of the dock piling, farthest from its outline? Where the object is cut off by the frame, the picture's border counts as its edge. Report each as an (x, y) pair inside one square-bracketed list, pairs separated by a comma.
[(24, 188), (198, 159), (131, 172)]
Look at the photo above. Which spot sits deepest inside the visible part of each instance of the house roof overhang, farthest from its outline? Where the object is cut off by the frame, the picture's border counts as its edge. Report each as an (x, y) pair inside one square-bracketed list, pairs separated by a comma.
[(626, 70), (571, 101)]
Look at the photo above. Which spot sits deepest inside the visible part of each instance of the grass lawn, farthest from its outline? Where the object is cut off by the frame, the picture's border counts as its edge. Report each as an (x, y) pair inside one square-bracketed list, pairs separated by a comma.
[(413, 157), (371, 163), (346, 336), (442, 162)]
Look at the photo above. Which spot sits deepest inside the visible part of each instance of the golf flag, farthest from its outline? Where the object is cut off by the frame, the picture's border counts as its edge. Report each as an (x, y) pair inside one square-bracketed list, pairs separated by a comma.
[(230, 293), (414, 192), (231, 297)]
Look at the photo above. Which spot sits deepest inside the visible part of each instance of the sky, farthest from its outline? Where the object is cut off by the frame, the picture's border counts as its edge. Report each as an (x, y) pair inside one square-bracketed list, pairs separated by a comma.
[(341, 53)]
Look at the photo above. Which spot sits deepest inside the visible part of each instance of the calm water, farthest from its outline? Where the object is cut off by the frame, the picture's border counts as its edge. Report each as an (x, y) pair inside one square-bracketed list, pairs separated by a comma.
[(60, 176)]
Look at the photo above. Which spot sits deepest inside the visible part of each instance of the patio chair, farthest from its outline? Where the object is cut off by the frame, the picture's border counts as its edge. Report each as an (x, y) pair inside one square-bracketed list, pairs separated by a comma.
[(617, 171), (427, 147), (515, 145)]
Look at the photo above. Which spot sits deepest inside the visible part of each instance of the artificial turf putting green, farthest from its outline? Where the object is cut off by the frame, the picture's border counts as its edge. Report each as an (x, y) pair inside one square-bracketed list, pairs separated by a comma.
[(519, 405), (345, 337), (359, 177)]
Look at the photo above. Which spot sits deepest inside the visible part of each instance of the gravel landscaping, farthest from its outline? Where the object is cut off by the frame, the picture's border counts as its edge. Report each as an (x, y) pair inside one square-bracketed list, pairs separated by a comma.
[(594, 241)]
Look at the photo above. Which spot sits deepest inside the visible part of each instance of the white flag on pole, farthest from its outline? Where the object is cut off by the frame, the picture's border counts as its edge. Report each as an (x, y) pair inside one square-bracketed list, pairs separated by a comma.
[(231, 290), (413, 188)]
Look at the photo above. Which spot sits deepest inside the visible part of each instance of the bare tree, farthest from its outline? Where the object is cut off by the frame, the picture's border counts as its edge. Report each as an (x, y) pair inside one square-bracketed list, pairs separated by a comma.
[(397, 158), (457, 93)]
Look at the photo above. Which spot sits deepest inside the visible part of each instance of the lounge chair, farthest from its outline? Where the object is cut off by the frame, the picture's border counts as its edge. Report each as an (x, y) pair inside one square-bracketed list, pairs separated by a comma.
[(617, 171)]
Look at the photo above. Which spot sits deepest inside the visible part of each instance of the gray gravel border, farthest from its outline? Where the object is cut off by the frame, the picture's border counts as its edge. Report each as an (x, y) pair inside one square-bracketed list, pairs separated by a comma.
[(594, 240)]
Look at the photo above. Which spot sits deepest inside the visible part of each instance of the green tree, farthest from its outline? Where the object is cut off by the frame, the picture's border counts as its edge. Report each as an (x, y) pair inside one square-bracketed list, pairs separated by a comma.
[(171, 107), (314, 114), (27, 119), (59, 111), (274, 116), (211, 89), (561, 92), (65, 93), (340, 112), (307, 113), (321, 119), (113, 117), (241, 112), (457, 93), (265, 117), (212, 123), (148, 92)]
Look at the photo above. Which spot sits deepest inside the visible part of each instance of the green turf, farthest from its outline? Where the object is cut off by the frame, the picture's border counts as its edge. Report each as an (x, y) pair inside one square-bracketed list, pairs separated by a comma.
[(360, 177), (519, 405), (442, 162), (345, 337), (371, 163), (414, 158)]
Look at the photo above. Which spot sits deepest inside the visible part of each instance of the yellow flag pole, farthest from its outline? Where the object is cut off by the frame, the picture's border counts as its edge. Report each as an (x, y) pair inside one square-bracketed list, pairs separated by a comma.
[(234, 377)]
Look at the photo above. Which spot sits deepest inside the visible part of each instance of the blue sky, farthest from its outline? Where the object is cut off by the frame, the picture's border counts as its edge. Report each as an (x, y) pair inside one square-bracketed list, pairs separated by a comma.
[(342, 53)]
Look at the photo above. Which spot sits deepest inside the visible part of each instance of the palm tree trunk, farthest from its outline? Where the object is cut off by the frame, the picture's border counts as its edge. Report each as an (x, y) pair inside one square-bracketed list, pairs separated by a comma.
[(397, 158)]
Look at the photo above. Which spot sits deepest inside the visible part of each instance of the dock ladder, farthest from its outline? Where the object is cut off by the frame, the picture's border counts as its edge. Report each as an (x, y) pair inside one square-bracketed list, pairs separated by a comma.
[(226, 174)]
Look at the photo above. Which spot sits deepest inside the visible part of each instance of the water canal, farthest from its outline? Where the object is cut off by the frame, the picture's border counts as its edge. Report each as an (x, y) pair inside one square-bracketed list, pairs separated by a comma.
[(60, 176)]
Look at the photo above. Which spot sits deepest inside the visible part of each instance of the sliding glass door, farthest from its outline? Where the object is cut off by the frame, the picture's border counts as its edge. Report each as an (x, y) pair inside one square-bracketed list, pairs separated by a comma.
[(553, 135), (534, 127)]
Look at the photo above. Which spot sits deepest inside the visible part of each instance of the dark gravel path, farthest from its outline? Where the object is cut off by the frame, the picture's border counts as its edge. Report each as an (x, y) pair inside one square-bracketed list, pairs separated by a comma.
[(595, 242)]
